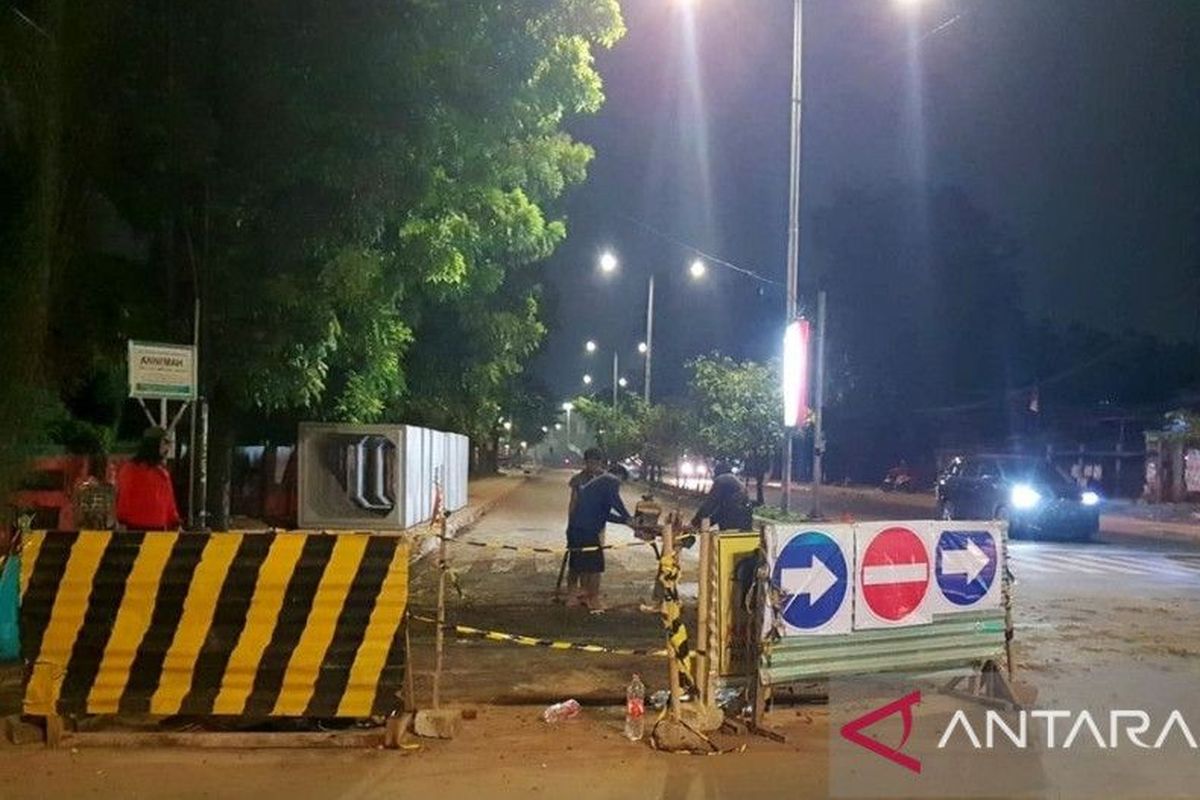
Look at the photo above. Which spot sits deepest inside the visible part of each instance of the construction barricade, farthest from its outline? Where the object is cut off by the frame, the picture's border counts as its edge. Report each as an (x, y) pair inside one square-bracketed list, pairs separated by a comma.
[(801, 603), (244, 624)]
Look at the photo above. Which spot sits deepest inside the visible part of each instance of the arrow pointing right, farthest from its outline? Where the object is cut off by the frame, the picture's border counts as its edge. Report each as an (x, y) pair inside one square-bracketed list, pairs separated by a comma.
[(970, 561), (815, 580)]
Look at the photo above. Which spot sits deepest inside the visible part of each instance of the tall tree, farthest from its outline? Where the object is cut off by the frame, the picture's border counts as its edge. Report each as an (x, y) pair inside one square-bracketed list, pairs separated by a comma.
[(356, 191), (738, 408)]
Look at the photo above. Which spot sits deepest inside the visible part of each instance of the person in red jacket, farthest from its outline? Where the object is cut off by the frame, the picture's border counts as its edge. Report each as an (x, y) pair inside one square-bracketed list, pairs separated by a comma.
[(145, 496)]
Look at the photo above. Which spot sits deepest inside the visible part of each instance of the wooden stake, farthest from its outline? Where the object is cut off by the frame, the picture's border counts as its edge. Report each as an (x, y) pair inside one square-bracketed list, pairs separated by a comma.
[(440, 635), (703, 635), (410, 691), (714, 618), (1006, 593), (758, 691), (668, 534), (54, 731)]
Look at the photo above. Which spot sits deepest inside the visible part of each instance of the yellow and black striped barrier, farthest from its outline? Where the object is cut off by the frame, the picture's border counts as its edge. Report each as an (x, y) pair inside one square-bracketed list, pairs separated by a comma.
[(278, 624), (532, 641), (672, 618)]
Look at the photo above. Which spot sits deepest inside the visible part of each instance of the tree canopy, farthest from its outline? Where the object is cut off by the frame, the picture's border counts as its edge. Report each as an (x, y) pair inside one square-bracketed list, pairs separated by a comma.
[(359, 193)]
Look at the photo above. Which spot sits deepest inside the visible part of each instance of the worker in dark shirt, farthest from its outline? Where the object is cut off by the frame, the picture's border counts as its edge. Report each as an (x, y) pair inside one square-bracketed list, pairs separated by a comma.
[(598, 503), (593, 465), (726, 506)]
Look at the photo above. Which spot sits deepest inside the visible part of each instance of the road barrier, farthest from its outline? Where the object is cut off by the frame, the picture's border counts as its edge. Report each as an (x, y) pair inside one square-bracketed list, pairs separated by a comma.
[(257, 624), (841, 599)]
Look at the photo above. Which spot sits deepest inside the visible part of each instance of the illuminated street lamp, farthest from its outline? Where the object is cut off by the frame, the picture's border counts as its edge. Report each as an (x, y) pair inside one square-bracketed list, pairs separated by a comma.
[(590, 346), (697, 269), (642, 348), (587, 380), (608, 262), (795, 374), (622, 383), (567, 407)]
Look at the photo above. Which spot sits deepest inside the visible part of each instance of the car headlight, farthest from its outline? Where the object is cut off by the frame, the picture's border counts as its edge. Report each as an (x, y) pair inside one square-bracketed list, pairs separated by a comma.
[(1089, 498), (1025, 496)]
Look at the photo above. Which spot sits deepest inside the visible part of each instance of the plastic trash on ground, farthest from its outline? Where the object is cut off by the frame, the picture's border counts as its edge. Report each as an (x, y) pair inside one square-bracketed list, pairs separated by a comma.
[(567, 709)]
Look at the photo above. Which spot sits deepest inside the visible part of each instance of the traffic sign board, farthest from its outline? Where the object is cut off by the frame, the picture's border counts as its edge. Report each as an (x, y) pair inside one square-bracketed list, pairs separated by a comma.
[(893, 577), (965, 566), (812, 571)]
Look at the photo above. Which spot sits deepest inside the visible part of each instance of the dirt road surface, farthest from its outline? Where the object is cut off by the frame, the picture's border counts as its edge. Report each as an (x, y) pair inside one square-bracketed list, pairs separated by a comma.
[(1099, 626)]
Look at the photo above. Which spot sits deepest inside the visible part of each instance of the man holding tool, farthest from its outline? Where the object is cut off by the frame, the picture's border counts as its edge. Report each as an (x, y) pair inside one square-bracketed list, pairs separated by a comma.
[(598, 503), (593, 465)]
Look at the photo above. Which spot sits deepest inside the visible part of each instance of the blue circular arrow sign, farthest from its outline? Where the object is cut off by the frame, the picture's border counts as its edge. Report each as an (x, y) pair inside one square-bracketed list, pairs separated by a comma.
[(811, 571), (966, 565)]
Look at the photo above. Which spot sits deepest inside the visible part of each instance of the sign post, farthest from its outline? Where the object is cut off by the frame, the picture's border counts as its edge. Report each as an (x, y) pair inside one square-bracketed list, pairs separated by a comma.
[(162, 371), (166, 372)]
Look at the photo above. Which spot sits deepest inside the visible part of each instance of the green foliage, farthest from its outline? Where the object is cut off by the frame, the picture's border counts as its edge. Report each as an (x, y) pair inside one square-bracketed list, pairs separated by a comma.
[(618, 430), (667, 433), (359, 192), (738, 409)]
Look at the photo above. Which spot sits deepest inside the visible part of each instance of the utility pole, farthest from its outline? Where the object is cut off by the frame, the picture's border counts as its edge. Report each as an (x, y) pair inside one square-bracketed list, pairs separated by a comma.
[(649, 339), (819, 411), (793, 252), (614, 378)]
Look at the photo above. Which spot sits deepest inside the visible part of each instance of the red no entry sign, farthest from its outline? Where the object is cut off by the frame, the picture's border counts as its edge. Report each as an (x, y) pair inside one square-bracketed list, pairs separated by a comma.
[(894, 573)]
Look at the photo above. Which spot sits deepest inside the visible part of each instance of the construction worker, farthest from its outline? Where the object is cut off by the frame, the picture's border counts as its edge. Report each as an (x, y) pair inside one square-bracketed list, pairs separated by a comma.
[(593, 465), (599, 502), (726, 506)]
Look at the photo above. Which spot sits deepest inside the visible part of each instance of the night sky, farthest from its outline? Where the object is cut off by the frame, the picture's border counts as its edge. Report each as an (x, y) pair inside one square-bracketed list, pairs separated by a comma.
[(1074, 124)]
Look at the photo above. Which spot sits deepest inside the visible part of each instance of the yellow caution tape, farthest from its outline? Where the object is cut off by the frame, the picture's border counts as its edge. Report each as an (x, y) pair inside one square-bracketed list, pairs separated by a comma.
[(532, 641), (516, 548)]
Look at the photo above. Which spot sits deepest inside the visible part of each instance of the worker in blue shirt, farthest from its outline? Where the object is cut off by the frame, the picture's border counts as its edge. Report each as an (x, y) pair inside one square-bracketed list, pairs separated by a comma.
[(598, 503)]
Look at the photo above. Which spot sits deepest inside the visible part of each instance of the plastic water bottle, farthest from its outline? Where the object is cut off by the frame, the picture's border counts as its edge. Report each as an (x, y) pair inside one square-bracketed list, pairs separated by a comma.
[(635, 709), (567, 709)]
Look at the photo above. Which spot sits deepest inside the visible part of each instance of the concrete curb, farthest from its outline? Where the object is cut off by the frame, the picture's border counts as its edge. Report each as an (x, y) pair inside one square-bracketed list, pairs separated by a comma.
[(462, 520)]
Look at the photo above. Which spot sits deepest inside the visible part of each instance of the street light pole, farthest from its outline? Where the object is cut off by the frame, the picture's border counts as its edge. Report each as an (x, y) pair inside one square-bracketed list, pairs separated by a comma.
[(649, 338), (793, 251), (614, 377), (568, 407), (818, 474)]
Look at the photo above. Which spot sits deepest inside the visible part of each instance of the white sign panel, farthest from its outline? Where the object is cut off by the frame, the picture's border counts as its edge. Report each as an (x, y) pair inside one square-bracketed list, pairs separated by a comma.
[(813, 568), (893, 575), (968, 567), (162, 371)]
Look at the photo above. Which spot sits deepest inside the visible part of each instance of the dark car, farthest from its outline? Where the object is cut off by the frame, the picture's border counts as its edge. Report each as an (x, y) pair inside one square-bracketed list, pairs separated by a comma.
[(1035, 498)]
